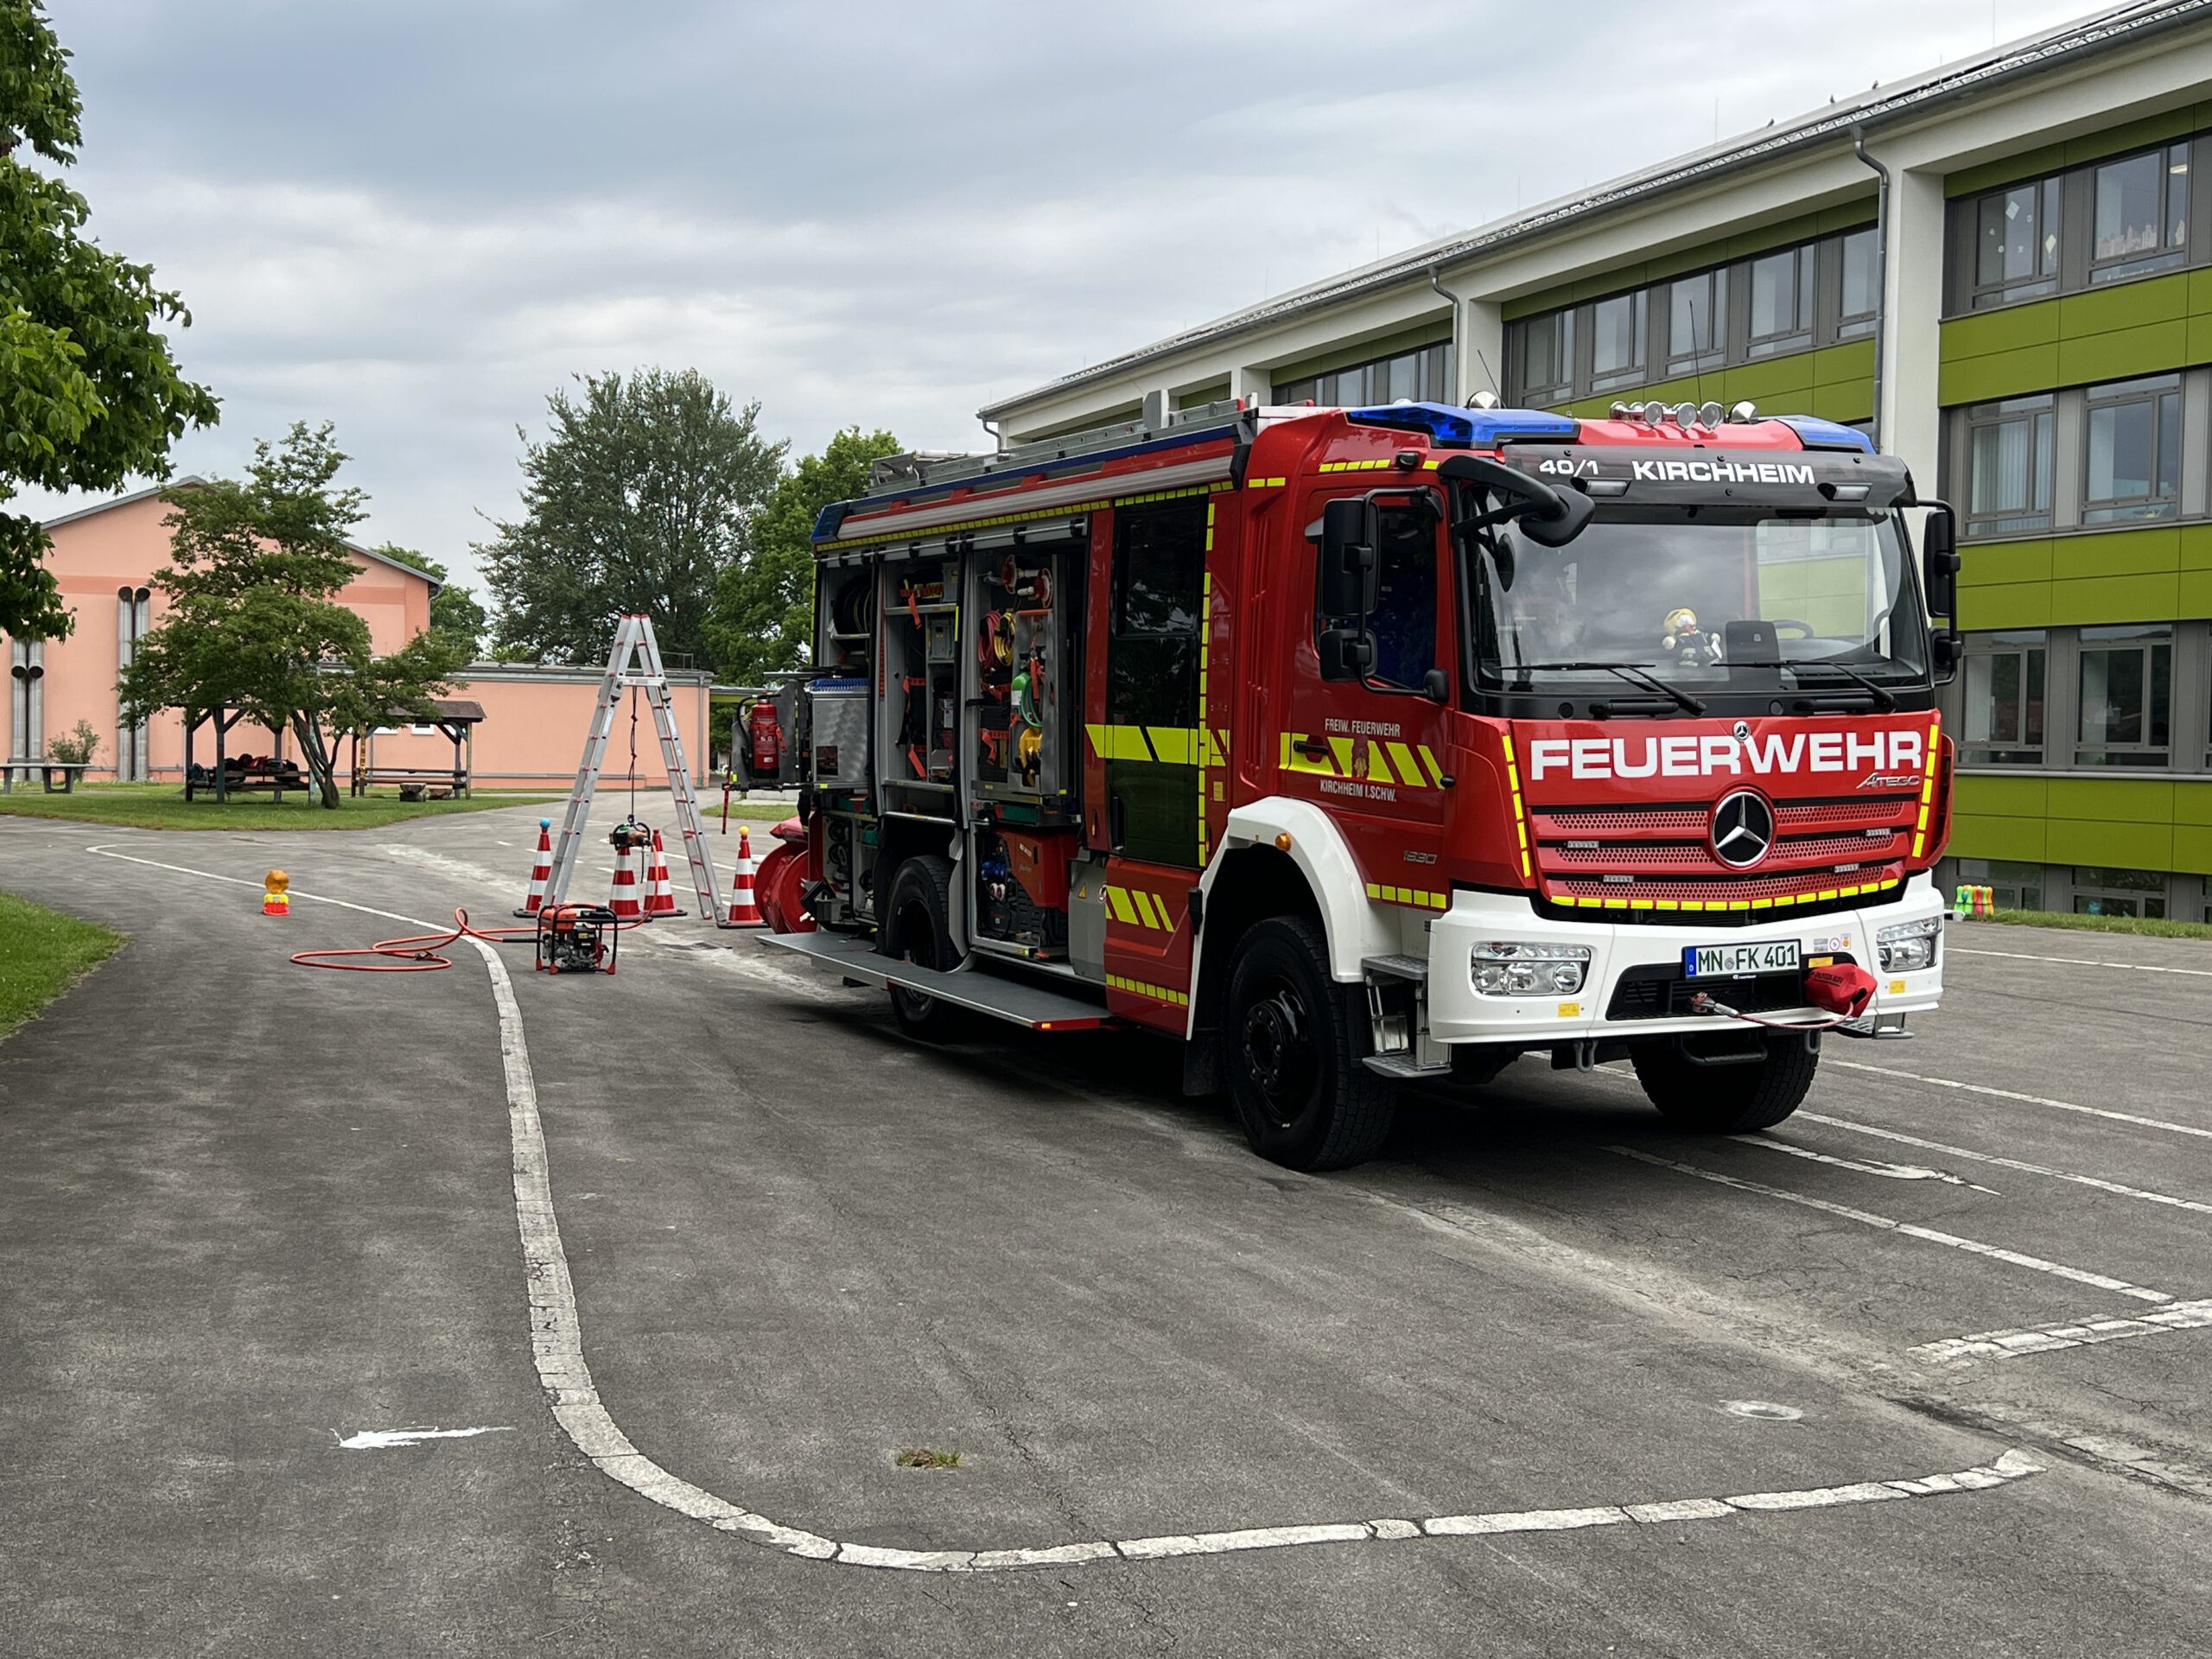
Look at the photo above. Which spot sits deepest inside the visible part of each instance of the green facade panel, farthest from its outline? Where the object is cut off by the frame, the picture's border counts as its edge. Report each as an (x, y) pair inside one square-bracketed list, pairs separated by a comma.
[(2193, 593), (2104, 842), (2020, 839), (2193, 801), (1993, 795), (2122, 553), (2192, 849), (1836, 382), (2006, 605), (2099, 599), (2123, 353), (2129, 800), (2108, 333)]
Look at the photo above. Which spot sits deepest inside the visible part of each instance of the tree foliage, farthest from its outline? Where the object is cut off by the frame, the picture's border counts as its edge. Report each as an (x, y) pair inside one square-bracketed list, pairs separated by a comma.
[(643, 495), (456, 617), (90, 396), (764, 606), (253, 619)]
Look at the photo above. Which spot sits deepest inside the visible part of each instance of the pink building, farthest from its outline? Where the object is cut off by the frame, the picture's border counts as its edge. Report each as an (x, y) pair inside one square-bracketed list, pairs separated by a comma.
[(105, 557)]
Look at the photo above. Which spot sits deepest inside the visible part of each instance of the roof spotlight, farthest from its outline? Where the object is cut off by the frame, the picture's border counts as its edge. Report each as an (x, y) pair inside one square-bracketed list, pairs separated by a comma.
[(1746, 410), (1685, 414), (1620, 412), (1709, 416)]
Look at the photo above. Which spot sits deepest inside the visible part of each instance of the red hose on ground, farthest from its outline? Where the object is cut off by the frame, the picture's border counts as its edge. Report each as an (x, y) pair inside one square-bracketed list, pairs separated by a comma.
[(417, 953)]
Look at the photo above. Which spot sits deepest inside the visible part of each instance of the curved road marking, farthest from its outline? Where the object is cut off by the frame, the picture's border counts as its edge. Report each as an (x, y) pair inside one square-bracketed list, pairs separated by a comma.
[(2082, 1333), (2022, 1165), (557, 1341)]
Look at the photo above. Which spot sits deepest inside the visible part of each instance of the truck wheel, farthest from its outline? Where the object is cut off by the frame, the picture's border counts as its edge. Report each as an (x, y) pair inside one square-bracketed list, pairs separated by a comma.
[(1727, 1099), (916, 929), (1290, 1049)]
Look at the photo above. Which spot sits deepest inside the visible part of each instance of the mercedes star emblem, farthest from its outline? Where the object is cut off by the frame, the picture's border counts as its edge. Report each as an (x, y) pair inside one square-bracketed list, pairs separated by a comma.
[(1743, 731), (1743, 829)]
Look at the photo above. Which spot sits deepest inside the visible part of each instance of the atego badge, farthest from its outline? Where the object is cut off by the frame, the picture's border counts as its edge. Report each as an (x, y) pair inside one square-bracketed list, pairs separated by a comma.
[(1743, 829)]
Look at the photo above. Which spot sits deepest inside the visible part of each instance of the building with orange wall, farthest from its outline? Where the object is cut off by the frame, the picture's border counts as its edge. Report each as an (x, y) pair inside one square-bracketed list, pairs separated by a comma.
[(104, 558)]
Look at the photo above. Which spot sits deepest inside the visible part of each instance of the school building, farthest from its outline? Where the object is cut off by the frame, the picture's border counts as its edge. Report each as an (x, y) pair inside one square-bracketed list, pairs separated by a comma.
[(1998, 268)]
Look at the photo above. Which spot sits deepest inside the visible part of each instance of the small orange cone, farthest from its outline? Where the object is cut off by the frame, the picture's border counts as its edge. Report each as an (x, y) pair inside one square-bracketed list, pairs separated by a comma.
[(275, 899), (660, 897), (744, 910), (623, 899), (542, 871)]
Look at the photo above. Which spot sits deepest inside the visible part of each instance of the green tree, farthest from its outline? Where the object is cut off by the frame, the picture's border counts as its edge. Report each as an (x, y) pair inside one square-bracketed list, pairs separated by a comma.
[(89, 395), (456, 617), (763, 604), (643, 495), (253, 617)]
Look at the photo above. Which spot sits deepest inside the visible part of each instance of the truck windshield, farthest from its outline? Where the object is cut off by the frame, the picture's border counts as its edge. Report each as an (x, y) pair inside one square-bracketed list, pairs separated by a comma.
[(1702, 598)]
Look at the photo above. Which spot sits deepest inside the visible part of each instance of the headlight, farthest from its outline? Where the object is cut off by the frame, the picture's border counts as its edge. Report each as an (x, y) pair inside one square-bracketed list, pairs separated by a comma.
[(1517, 968), (1905, 946)]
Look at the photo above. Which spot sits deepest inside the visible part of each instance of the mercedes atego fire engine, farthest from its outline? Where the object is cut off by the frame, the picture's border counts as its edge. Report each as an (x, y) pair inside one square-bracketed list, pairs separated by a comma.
[(1357, 748)]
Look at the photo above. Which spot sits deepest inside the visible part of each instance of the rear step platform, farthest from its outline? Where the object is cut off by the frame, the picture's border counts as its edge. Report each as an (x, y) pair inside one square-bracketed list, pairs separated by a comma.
[(1003, 999)]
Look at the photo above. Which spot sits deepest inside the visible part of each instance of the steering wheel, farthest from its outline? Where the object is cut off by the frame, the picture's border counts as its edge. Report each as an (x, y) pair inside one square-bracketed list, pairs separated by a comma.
[(1805, 630)]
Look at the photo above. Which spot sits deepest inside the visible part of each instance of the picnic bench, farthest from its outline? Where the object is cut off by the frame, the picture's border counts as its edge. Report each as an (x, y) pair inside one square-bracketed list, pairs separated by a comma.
[(48, 771), (414, 783), (457, 719)]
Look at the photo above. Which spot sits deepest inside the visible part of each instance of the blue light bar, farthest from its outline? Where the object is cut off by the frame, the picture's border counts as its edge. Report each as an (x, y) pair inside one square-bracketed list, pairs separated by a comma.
[(1476, 429), (1817, 434)]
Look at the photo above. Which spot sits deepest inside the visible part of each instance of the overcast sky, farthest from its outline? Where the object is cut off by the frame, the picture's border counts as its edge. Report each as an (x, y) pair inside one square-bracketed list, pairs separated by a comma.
[(416, 219)]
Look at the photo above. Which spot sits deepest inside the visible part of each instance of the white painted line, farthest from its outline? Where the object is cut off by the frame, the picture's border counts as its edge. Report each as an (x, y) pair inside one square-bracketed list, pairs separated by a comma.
[(1910, 1230), (1888, 1172), (556, 1342), (2027, 1100), (381, 1439), (2077, 961), (2021, 1165), (2082, 1334)]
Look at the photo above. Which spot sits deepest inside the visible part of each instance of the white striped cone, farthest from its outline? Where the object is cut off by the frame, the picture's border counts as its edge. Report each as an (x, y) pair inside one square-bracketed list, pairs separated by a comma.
[(744, 909), (660, 897), (542, 871), (623, 899)]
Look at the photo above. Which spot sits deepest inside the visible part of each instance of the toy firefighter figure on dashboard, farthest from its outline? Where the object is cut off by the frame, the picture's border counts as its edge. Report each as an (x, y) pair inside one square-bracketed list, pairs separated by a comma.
[(1685, 643)]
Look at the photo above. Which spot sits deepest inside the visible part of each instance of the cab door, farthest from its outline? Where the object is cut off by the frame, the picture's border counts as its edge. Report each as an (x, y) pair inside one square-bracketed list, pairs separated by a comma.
[(1372, 752), (1145, 742)]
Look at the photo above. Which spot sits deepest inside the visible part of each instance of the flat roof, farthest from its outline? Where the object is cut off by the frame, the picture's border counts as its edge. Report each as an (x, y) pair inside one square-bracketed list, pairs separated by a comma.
[(2101, 31)]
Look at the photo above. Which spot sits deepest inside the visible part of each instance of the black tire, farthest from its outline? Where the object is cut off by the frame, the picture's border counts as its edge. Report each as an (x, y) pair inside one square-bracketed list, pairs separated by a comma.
[(1291, 1044), (916, 928), (1727, 1099)]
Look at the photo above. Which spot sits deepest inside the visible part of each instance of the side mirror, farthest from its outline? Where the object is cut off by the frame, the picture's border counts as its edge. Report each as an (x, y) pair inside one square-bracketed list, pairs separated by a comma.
[(1939, 580), (1349, 532), (1436, 685), (1346, 653), (1547, 517), (1574, 516)]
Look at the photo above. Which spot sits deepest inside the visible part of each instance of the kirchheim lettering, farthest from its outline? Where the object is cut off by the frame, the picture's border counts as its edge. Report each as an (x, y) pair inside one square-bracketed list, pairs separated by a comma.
[(1770, 754), (1720, 471)]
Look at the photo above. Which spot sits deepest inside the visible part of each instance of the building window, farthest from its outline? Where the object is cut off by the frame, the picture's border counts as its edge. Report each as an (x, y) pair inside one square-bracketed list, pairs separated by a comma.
[(2005, 698), (2009, 465), (2018, 886), (2127, 688), (1781, 303), (2104, 892), (2016, 250), (1862, 285), (2141, 221), (1618, 333), (2134, 450), (1547, 357), (1428, 373), (1697, 324)]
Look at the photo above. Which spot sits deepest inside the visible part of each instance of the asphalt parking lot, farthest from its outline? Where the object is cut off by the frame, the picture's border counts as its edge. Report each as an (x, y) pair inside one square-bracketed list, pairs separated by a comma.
[(695, 1251)]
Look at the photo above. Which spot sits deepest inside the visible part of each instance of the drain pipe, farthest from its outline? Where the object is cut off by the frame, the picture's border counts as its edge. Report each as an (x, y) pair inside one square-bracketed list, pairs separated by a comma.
[(1453, 299), (1881, 268)]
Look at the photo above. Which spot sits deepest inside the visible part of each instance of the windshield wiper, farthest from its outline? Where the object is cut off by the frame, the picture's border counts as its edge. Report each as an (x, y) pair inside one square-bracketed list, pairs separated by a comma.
[(1632, 672), (1884, 699)]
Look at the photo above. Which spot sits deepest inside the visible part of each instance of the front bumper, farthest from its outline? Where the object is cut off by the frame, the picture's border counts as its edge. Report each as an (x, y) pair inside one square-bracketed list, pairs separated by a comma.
[(1457, 1014)]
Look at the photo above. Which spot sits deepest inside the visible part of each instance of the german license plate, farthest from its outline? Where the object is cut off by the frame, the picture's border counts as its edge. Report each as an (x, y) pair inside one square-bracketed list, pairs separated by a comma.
[(1722, 961)]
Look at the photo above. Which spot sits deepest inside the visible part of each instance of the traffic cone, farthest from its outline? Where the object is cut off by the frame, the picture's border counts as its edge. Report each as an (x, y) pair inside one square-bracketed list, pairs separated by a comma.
[(276, 895), (542, 871), (744, 910), (660, 897), (623, 899)]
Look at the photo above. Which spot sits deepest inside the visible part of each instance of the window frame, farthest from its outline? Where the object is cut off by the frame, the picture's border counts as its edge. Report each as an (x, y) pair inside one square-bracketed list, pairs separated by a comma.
[(1713, 354), (2049, 237), (2170, 253), (2162, 393), (2116, 640), (2039, 411), (2032, 649), (2121, 892), (1798, 336), (1858, 325)]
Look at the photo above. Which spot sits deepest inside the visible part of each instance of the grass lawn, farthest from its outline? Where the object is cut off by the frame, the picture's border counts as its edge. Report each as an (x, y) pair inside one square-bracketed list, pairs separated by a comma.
[(162, 806), (40, 952), (2059, 918)]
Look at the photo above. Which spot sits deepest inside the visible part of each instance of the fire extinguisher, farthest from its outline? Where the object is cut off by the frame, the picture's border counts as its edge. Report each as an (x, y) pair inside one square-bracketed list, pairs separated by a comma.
[(764, 742)]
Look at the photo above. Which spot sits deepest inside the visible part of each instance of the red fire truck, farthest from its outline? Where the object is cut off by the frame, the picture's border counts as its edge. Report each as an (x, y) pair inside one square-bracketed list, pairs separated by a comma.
[(1359, 747)]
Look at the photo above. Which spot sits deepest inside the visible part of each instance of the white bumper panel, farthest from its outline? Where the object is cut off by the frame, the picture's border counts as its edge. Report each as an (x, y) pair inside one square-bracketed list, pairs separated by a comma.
[(1456, 1014)]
